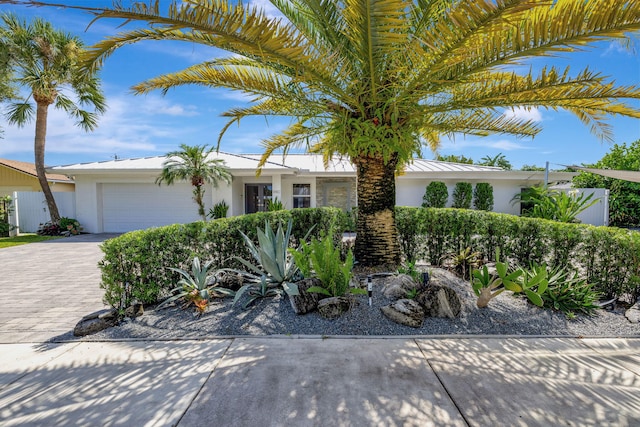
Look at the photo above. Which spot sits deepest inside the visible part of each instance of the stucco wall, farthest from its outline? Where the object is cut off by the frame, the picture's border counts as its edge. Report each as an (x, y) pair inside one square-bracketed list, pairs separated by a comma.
[(409, 192)]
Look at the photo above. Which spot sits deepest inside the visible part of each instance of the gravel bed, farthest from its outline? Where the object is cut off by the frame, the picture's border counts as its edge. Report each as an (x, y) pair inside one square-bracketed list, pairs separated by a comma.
[(505, 315)]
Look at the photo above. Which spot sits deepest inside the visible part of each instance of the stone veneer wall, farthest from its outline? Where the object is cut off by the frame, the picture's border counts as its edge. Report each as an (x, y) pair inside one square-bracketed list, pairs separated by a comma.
[(336, 194)]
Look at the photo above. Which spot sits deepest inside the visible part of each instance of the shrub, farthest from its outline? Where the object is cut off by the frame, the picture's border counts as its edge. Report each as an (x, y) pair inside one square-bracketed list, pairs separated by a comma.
[(69, 225), (436, 195), (321, 259), (219, 210), (553, 204), (483, 196), (608, 258), (462, 195), (133, 267), (570, 294)]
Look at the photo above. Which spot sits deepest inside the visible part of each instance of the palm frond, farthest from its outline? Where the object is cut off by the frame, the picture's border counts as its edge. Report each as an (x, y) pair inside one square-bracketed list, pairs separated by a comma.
[(20, 113)]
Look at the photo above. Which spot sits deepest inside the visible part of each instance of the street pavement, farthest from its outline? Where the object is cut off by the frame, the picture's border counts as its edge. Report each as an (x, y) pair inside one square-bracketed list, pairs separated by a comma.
[(45, 288)]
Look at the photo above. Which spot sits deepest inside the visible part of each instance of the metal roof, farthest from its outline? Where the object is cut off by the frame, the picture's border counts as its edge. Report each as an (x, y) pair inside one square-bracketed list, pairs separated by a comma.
[(305, 164)]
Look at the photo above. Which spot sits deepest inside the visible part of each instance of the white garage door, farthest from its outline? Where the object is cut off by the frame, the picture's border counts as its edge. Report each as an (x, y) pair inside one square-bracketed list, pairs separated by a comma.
[(128, 207)]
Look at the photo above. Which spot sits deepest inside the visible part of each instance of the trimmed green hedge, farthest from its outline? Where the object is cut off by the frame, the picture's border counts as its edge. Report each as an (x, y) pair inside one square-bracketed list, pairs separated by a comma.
[(607, 257), (135, 264)]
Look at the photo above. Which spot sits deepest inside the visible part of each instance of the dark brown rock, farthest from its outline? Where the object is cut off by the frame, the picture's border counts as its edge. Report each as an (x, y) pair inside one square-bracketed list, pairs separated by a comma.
[(440, 301), (404, 311), (305, 302), (334, 307), (229, 279), (96, 322), (134, 310)]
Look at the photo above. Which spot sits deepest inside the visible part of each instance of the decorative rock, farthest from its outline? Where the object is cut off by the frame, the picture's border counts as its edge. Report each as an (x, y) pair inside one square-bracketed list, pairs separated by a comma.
[(96, 322), (229, 280), (305, 302), (404, 311), (440, 301), (633, 313), (399, 286), (133, 311), (332, 308)]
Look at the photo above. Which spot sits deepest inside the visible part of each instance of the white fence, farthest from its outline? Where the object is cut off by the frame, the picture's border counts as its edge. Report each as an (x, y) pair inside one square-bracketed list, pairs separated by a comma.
[(30, 209), (598, 214)]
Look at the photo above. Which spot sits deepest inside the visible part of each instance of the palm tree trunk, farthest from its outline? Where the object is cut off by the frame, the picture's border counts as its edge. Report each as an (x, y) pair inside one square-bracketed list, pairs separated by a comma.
[(197, 196), (377, 235), (40, 139)]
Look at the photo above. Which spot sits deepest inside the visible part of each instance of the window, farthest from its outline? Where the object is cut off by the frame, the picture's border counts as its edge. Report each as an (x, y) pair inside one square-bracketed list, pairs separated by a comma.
[(301, 195)]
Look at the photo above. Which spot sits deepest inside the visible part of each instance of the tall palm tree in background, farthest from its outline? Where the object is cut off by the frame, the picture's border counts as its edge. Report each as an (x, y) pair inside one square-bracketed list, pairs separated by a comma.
[(193, 163), (43, 62), (378, 80)]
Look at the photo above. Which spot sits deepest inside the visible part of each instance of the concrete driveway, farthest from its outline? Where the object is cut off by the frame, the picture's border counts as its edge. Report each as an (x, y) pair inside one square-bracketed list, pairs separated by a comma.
[(46, 287)]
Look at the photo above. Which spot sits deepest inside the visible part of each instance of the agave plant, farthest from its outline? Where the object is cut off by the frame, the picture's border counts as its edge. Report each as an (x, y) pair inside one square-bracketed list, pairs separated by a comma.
[(196, 287), (274, 266), (262, 289)]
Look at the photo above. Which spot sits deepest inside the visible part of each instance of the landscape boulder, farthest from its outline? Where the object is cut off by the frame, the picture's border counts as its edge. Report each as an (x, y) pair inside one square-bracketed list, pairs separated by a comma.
[(404, 311), (96, 322), (334, 307), (229, 280), (440, 301), (633, 313), (305, 302), (399, 286)]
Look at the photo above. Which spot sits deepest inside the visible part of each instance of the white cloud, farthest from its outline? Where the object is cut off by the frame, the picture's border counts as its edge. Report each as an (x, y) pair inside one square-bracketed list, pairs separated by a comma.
[(132, 126), (524, 113)]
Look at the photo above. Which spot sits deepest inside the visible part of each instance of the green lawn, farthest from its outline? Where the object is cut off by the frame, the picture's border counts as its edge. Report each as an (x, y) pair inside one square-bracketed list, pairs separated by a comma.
[(23, 239)]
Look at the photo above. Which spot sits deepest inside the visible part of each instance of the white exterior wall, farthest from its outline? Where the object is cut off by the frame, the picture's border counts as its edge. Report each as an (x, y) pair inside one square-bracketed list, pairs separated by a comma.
[(409, 192), (225, 193), (287, 189)]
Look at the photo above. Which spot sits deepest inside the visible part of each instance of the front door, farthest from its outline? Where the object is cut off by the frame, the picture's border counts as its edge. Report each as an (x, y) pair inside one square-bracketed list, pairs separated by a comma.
[(257, 197)]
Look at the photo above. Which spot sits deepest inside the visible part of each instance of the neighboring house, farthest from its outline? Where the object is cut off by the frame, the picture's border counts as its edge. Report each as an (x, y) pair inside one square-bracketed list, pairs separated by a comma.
[(121, 195), (21, 176)]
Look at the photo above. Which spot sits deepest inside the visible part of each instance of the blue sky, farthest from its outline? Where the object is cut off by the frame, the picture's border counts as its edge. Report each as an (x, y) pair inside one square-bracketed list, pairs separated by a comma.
[(151, 125)]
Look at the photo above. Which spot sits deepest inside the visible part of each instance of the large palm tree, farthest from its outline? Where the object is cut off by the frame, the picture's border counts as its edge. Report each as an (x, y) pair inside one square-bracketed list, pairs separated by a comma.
[(378, 80), (194, 164), (44, 62)]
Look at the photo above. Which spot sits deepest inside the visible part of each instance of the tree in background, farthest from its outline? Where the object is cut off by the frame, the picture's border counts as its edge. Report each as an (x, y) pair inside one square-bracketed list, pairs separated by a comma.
[(377, 81), (624, 196), (44, 62), (499, 160), (452, 158), (532, 168), (192, 163)]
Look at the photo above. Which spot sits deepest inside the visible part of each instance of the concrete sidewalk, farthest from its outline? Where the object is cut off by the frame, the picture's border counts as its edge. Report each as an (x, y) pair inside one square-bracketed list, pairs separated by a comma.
[(323, 382)]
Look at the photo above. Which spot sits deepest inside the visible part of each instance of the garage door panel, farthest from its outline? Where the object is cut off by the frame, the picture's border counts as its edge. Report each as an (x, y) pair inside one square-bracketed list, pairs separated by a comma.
[(128, 207)]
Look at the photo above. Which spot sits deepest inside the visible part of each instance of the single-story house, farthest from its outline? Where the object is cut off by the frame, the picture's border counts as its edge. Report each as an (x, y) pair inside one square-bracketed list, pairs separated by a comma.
[(22, 176), (121, 195)]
